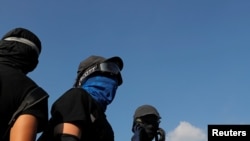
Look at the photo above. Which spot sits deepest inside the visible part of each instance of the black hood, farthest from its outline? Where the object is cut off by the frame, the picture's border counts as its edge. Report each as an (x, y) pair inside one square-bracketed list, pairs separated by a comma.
[(20, 48)]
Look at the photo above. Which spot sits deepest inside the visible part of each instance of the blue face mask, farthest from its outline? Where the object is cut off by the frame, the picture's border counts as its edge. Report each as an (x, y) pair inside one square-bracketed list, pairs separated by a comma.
[(102, 89)]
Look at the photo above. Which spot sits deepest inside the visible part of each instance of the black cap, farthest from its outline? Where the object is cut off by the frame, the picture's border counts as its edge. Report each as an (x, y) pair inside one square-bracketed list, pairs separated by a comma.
[(93, 60), (17, 33), (146, 110)]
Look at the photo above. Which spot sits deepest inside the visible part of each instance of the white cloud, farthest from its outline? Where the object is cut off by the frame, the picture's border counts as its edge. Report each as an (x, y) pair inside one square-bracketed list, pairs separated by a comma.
[(186, 132)]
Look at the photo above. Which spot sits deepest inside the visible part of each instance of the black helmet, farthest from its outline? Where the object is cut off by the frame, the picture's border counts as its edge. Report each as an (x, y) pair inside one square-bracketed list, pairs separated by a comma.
[(94, 60), (146, 110)]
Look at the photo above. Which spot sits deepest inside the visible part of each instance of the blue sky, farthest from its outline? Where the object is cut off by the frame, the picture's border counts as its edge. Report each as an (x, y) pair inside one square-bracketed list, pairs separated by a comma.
[(188, 58)]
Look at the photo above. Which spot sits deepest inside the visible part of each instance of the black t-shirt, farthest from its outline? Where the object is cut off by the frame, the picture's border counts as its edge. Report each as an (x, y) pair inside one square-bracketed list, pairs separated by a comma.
[(78, 107), (14, 86)]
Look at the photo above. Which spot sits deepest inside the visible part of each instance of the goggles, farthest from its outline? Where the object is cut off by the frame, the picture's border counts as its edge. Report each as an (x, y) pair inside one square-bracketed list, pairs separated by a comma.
[(108, 68), (148, 119)]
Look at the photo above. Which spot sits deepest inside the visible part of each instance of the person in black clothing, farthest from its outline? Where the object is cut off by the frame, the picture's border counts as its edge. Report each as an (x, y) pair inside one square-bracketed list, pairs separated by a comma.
[(19, 53), (146, 122), (79, 114)]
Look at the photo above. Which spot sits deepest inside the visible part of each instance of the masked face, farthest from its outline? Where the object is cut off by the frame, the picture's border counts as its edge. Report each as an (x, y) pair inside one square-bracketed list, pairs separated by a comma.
[(102, 89), (150, 123)]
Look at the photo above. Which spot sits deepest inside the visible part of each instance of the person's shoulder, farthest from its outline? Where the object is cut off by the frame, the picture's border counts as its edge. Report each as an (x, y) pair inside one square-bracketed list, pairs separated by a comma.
[(75, 91), (73, 94)]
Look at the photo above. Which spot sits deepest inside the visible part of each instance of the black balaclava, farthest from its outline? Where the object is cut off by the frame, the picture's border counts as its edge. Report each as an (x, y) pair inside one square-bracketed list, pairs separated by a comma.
[(20, 48)]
